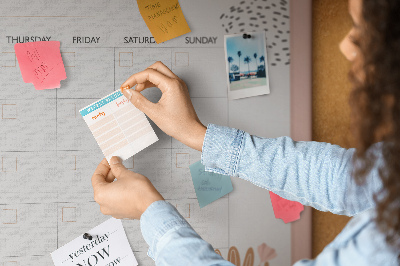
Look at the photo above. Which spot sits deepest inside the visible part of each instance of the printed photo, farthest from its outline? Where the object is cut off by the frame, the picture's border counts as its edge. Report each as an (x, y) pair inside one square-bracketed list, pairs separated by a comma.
[(246, 64)]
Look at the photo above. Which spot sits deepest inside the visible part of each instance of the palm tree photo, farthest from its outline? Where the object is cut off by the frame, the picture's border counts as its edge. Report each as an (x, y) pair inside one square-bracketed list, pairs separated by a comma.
[(247, 61), (230, 60), (234, 68), (239, 53), (255, 60), (262, 59)]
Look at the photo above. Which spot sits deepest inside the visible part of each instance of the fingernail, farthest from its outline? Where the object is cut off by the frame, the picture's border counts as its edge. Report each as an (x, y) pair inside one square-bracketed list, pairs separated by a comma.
[(129, 94), (124, 88), (115, 160)]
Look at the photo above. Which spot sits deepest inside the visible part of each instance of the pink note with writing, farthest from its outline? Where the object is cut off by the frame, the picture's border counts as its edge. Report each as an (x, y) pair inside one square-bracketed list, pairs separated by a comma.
[(284, 209), (41, 64)]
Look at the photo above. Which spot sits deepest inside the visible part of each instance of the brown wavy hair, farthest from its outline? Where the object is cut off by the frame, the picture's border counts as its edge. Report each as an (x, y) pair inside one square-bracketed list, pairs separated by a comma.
[(375, 103)]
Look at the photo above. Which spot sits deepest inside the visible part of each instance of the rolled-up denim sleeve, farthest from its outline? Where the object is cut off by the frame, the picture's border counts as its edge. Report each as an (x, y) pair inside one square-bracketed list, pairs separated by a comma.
[(172, 241), (313, 173)]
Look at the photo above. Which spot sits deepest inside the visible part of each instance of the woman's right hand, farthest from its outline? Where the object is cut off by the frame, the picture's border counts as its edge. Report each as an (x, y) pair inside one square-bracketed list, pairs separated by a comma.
[(174, 112)]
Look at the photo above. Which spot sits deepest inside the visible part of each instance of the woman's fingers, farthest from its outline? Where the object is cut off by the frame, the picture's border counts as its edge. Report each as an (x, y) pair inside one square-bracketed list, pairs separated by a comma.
[(100, 174), (141, 102), (110, 177), (142, 86), (159, 80), (160, 67), (174, 113)]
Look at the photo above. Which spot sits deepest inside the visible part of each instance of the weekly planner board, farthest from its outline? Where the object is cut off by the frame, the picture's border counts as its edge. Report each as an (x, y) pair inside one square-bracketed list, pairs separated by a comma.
[(48, 154)]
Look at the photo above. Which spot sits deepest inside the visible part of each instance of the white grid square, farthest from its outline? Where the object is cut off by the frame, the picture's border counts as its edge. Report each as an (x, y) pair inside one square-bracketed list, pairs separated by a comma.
[(182, 160), (181, 59), (68, 59), (9, 216), (9, 164), (9, 111), (11, 263), (69, 214), (8, 59), (126, 59)]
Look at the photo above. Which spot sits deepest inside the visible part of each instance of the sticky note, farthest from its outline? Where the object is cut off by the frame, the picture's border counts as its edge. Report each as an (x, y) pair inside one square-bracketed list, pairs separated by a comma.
[(118, 126), (41, 64), (209, 186), (164, 18), (284, 209), (109, 246)]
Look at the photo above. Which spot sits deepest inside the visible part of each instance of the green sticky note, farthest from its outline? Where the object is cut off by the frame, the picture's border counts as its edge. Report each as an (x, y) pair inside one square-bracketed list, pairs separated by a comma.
[(209, 186)]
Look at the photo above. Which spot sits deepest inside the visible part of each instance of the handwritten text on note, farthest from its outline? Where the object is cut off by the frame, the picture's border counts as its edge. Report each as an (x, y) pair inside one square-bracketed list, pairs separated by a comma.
[(164, 18), (209, 186), (41, 64), (284, 209)]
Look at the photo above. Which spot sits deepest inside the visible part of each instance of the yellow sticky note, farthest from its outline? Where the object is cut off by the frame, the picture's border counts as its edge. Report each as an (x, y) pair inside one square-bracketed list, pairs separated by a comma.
[(164, 18)]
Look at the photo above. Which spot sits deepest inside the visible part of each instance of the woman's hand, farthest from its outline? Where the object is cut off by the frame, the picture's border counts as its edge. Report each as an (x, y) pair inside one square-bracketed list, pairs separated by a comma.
[(174, 113), (127, 197)]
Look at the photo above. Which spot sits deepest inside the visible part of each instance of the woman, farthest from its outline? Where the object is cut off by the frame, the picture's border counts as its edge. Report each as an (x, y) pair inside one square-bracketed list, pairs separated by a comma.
[(317, 174)]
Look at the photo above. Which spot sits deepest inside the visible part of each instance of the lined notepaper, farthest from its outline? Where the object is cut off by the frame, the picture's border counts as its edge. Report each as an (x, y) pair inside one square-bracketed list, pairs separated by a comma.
[(118, 126)]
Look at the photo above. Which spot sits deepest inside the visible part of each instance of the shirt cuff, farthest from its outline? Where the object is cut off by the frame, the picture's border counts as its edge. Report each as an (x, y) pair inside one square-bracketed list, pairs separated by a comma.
[(158, 219), (222, 148)]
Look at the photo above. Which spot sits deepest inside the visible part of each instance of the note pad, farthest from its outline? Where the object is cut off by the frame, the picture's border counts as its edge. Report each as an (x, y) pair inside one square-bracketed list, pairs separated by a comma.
[(209, 186), (118, 126)]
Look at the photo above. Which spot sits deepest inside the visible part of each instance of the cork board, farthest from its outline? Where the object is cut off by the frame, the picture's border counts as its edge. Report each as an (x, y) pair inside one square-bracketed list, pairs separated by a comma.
[(331, 89)]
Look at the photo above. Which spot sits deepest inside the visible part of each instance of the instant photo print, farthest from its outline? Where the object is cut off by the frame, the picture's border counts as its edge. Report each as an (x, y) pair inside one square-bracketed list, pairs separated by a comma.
[(246, 65)]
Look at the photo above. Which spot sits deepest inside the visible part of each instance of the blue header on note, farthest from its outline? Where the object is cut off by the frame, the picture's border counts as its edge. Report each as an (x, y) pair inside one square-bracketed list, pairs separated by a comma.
[(102, 102)]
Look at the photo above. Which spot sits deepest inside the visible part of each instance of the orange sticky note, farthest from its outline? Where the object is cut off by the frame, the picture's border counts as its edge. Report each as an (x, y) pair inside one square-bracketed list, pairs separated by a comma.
[(164, 18), (284, 209), (41, 64)]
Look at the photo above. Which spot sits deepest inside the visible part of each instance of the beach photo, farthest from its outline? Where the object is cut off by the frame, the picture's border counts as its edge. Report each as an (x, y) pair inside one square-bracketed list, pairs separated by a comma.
[(246, 64)]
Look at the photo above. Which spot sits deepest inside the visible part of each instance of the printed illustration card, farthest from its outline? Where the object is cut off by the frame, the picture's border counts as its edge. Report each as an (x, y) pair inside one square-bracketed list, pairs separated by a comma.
[(108, 246), (118, 126)]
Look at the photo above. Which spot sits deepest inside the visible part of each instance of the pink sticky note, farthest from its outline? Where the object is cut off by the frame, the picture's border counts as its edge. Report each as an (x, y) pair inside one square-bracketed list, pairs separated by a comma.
[(41, 64), (266, 253), (286, 210)]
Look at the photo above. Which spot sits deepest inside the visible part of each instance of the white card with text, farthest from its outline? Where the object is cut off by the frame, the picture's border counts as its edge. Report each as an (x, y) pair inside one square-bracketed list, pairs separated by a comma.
[(109, 246)]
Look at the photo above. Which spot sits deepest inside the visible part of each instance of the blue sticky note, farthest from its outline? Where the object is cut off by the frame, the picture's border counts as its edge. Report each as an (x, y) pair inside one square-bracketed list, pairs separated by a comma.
[(209, 186)]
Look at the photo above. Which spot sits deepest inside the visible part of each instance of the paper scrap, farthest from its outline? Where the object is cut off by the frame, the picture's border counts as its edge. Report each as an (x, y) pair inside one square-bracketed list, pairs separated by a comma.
[(118, 126), (109, 246), (284, 209), (266, 253), (41, 63), (164, 18), (209, 186)]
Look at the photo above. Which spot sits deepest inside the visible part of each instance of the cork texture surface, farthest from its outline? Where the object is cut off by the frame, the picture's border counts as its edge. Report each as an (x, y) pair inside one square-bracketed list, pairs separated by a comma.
[(331, 90)]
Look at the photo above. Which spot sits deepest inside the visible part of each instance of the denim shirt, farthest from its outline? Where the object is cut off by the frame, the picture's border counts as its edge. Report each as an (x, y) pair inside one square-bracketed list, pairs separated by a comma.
[(312, 173)]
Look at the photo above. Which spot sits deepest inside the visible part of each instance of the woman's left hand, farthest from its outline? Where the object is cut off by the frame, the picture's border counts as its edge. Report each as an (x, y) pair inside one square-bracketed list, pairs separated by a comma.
[(127, 197)]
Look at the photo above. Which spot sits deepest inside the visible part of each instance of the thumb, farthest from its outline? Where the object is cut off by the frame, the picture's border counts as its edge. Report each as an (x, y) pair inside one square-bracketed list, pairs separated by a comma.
[(99, 176), (139, 101), (117, 168)]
